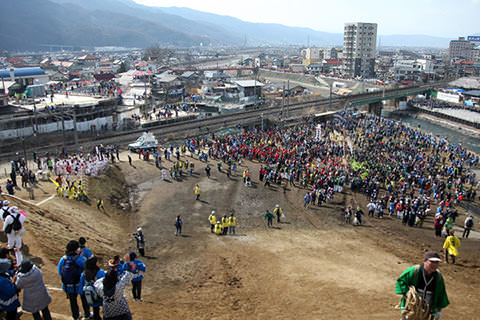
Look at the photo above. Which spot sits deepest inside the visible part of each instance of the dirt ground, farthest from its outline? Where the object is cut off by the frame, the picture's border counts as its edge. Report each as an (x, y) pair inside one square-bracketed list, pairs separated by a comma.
[(310, 266)]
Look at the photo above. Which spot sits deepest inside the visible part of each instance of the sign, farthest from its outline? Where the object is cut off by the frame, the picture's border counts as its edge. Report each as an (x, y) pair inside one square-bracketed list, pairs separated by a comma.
[(473, 38)]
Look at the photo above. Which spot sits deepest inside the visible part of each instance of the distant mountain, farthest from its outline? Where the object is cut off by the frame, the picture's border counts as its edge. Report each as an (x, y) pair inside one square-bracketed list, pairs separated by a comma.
[(33, 24), (413, 41)]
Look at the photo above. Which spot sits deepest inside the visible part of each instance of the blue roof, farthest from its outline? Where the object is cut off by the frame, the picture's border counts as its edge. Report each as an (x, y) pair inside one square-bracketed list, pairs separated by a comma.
[(22, 72)]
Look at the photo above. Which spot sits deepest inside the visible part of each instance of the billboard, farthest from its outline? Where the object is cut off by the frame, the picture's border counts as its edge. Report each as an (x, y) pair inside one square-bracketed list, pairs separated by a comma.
[(473, 38)]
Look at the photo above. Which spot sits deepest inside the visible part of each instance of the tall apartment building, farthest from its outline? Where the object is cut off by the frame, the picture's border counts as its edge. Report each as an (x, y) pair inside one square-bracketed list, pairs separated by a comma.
[(460, 48), (359, 48)]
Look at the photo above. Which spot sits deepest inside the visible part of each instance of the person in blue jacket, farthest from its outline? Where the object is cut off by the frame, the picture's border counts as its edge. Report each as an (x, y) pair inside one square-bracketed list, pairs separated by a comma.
[(8, 293), (91, 274), (84, 251), (70, 268), (138, 276)]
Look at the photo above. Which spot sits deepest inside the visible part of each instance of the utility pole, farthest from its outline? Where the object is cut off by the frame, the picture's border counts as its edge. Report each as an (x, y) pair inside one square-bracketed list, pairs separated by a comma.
[(255, 88), (63, 126), (75, 132), (283, 101), (24, 152), (288, 98), (330, 99)]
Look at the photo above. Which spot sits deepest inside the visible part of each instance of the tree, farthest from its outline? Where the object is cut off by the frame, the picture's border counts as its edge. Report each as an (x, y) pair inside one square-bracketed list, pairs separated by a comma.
[(158, 53)]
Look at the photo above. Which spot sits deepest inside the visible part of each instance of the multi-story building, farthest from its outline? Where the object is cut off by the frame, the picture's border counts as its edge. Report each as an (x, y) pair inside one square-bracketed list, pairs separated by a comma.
[(460, 48), (330, 53), (359, 48), (311, 55)]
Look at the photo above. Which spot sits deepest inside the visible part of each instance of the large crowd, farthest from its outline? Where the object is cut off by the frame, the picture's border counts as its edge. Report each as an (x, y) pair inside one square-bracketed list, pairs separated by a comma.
[(403, 173)]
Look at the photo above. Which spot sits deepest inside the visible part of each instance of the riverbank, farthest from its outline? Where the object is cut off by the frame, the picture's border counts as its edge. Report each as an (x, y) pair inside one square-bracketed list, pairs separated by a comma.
[(450, 130), (459, 127)]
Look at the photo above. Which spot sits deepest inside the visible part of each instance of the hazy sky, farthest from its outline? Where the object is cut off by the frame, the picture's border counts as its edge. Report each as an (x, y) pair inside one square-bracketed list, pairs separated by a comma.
[(443, 18)]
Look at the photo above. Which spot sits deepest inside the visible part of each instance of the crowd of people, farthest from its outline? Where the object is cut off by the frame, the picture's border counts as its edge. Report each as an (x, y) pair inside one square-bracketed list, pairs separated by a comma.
[(404, 173), (100, 291)]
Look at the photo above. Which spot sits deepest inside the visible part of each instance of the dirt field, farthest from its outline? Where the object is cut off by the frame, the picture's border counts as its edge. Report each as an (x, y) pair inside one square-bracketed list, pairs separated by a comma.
[(311, 266)]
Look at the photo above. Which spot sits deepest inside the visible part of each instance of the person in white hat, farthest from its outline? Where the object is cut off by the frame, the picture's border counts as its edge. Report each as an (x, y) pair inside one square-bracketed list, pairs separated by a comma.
[(213, 221), (4, 210), (140, 238), (428, 283), (278, 212), (13, 228)]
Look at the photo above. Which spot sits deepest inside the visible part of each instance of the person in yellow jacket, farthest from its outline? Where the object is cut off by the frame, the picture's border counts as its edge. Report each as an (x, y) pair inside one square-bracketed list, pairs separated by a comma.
[(450, 246), (218, 228), (278, 212), (225, 224), (197, 192), (232, 223), (213, 220)]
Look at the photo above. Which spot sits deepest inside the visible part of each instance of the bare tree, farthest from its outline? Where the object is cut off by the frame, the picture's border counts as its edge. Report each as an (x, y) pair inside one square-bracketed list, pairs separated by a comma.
[(158, 53)]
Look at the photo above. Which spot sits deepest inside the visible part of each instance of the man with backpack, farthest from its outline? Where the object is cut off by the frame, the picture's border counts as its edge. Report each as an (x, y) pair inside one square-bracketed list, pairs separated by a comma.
[(13, 228), (468, 225), (87, 284), (70, 267), (4, 209)]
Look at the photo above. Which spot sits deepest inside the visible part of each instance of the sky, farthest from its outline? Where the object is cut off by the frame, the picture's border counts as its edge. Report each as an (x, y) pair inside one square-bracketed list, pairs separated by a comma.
[(442, 18)]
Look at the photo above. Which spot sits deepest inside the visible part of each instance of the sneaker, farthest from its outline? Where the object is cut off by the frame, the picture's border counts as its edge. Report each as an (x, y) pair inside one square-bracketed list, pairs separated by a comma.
[(139, 300), (79, 316)]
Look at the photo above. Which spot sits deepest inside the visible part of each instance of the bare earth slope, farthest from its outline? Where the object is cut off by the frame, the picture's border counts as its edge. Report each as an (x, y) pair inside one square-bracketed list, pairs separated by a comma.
[(311, 266)]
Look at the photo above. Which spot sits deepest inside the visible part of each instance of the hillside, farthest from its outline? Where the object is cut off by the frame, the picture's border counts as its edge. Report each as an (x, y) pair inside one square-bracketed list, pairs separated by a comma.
[(128, 24), (310, 266)]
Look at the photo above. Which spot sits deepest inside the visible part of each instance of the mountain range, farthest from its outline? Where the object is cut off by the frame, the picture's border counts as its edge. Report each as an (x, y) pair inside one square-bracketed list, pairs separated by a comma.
[(37, 24)]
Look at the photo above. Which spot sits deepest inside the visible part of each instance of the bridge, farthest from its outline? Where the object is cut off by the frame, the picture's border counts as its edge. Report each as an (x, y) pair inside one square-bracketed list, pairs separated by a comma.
[(211, 68), (374, 99)]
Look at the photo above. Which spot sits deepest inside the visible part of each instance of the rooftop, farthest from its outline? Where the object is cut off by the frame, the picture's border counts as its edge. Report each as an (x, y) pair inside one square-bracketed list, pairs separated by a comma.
[(248, 83), (22, 72)]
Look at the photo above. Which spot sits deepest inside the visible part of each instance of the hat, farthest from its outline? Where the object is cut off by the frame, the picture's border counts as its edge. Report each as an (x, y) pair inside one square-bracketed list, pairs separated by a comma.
[(132, 255), (431, 256), (13, 209), (6, 203), (114, 262), (25, 266), (139, 229), (277, 206), (213, 211), (5, 265)]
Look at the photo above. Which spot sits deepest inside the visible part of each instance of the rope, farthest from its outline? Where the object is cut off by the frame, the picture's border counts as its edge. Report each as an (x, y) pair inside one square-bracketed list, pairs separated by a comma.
[(415, 306)]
